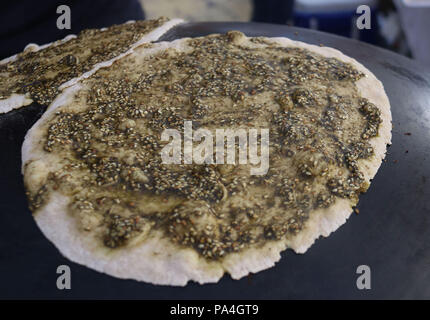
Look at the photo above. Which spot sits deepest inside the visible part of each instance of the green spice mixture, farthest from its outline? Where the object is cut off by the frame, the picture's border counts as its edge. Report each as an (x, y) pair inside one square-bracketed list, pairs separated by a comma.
[(111, 164), (41, 73)]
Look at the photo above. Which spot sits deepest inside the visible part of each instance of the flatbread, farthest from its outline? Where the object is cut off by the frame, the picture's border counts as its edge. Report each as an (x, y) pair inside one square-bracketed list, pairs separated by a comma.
[(161, 252), (40, 72)]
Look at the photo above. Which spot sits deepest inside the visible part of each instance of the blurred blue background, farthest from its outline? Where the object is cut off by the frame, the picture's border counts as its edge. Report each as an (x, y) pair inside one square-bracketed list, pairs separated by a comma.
[(399, 25)]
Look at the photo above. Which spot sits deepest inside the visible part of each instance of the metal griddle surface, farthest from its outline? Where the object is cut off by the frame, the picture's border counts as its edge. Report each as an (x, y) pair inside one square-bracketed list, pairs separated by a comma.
[(391, 234)]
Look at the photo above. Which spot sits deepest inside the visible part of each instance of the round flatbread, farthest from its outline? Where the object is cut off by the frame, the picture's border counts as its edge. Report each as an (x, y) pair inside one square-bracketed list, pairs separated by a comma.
[(39, 73), (101, 191)]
